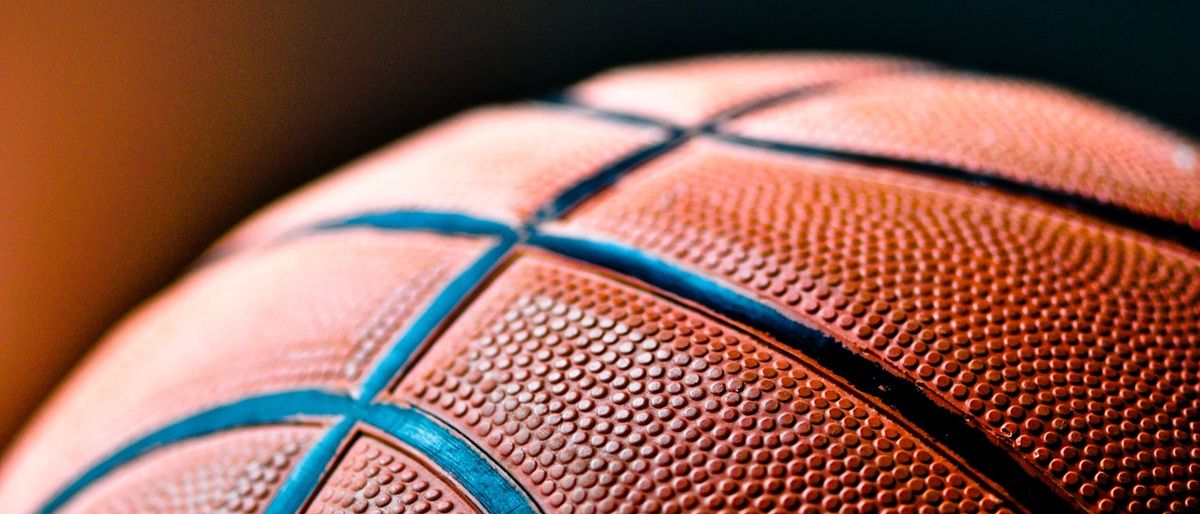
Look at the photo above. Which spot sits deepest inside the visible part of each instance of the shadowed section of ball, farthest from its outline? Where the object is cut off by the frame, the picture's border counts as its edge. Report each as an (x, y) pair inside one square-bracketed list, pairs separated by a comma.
[(500, 163)]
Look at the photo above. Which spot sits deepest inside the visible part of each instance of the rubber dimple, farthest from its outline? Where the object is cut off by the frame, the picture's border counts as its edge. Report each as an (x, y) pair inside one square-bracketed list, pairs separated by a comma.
[(377, 473), (231, 472), (311, 313), (1019, 131), (603, 398), (1070, 343)]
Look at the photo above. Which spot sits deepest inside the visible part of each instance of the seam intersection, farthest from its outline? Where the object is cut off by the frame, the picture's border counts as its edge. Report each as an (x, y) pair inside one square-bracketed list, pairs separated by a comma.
[(496, 488)]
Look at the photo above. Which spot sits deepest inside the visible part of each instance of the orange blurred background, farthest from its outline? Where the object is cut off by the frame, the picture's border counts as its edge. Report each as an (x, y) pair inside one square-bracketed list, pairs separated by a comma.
[(132, 135)]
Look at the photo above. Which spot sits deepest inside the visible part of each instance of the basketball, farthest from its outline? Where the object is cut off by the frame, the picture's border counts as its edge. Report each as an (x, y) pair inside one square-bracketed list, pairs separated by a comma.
[(744, 283)]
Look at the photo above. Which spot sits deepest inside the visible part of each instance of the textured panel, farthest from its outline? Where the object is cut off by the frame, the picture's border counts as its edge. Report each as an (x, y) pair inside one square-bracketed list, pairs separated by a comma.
[(691, 91), (309, 313), (232, 472), (1019, 131), (1075, 345), (388, 477), (497, 163), (603, 398)]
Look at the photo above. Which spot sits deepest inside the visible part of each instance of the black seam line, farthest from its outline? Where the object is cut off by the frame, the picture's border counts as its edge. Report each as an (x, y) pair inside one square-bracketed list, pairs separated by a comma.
[(1180, 234), (1159, 228), (765, 102), (583, 190), (454, 223), (676, 135), (559, 206), (962, 437), (565, 99)]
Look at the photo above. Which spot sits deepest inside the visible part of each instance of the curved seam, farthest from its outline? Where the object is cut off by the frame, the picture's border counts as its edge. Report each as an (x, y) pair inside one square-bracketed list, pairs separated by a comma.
[(438, 222), (585, 189), (253, 411), (307, 474), (946, 427), (1152, 226), (301, 484), (608, 176), (416, 220), (436, 315), (477, 471), (565, 99)]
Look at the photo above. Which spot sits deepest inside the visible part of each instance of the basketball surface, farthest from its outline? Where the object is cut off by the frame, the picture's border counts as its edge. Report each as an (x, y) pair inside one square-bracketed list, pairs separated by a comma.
[(779, 282)]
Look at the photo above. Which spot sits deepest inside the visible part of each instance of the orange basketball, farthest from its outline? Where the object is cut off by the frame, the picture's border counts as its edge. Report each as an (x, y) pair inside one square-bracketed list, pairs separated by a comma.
[(789, 282)]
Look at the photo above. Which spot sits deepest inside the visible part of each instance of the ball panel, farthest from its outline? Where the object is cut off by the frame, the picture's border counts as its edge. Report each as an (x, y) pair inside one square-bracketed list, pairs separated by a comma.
[(231, 472), (600, 397), (1029, 133), (309, 313), (1072, 344), (691, 91), (500, 163), (381, 474)]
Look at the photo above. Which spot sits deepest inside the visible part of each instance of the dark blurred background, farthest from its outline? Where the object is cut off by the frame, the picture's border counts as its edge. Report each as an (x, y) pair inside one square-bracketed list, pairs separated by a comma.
[(132, 135)]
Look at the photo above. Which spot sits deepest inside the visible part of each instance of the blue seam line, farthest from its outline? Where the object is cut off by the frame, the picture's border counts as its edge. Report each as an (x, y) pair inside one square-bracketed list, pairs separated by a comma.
[(279, 406), (497, 491), (470, 467), (305, 478), (437, 222), (986, 457), (433, 317), (307, 473), (462, 461), (259, 410), (440, 222), (444, 304)]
